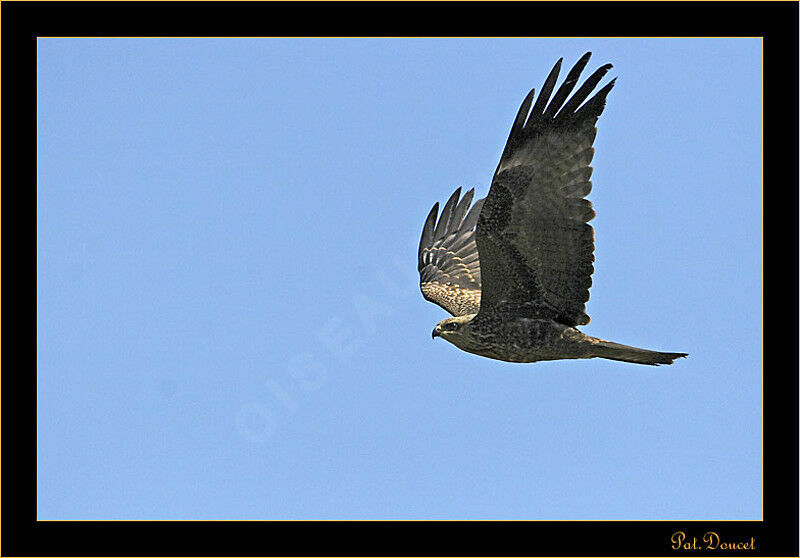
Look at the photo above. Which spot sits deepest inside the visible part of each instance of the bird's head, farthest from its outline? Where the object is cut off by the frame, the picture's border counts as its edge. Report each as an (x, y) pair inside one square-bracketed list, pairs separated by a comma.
[(455, 330)]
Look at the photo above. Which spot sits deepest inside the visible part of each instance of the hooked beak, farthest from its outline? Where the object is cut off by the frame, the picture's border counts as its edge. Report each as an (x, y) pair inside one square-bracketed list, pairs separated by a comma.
[(436, 332)]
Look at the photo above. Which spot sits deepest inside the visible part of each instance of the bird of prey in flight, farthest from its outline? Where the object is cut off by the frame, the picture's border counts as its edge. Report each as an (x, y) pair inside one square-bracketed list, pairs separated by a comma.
[(515, 269)]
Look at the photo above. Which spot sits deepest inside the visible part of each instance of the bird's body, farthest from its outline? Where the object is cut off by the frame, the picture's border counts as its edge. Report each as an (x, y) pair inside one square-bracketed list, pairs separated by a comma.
[(515, 269), (517, 339), (520, 339)]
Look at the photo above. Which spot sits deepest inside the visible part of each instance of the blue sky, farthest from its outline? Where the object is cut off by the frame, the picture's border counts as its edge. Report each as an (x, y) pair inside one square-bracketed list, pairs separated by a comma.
[(230, 325)]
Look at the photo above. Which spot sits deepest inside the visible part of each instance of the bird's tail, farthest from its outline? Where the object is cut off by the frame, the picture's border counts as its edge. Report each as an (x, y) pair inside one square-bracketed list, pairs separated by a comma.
[(616, 351)]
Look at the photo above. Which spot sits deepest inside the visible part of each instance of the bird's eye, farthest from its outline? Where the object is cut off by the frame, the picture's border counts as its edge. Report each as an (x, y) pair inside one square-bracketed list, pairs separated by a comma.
[(452, 326)]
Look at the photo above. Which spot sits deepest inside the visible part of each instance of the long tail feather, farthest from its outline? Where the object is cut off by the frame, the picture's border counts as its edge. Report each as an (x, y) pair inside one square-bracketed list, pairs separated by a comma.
[(624, 353)]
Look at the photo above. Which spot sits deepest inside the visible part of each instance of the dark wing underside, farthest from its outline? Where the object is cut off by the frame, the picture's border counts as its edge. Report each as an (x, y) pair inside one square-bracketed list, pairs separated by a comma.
[(449, 270), (536, 246)]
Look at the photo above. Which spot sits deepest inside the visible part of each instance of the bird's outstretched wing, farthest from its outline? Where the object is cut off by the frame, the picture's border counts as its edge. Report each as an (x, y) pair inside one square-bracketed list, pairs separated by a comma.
[(536, 246), (449, 270)]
